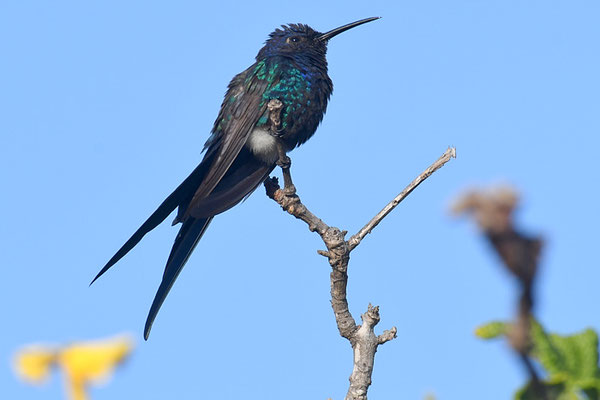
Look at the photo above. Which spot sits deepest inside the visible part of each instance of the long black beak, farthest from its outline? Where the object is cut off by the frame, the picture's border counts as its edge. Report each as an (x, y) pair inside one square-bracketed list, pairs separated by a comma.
[(334, 32)]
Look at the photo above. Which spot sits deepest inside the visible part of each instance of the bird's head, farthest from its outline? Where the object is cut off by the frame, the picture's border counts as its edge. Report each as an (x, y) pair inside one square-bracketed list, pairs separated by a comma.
[(299, 40)]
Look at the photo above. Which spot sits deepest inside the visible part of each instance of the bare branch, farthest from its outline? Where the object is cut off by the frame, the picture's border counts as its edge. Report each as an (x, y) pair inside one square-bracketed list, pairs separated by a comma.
[(387, 335), (337, 252), (360, 235), (291, 203), (365, 344), (362, 337)]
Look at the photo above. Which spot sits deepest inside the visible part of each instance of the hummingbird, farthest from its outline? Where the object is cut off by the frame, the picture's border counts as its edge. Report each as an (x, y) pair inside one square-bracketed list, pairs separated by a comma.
[(269, 109)]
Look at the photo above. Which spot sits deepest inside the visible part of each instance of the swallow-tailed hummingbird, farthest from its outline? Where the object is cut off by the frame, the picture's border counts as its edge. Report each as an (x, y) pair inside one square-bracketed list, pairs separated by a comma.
[(270, 108)]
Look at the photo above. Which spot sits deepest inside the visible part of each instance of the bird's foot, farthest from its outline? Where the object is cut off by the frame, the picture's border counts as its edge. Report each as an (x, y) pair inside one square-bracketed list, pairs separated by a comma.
[(278, 133), (284, 162), (289, 190), (274, 106)]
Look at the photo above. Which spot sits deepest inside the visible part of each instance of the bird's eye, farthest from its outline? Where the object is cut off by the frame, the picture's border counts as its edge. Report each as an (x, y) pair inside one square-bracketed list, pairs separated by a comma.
[(293, 39)]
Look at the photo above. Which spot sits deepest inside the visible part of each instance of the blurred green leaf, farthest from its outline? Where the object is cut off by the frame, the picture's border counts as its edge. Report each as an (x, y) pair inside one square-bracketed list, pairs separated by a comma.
[(491, 330), (554, 391), (570, 362)]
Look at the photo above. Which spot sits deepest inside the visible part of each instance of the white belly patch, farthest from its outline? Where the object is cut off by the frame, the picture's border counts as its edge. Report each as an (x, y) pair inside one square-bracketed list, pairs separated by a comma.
[(263, 145)]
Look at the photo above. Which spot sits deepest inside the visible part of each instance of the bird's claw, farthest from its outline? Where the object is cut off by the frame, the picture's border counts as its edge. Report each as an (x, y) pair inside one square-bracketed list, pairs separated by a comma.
[(284, 161), (289, 190), (278, 133), (274, 106)]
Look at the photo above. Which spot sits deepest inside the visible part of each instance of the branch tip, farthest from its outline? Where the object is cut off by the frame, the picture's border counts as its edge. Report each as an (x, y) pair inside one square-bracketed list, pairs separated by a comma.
[(323, 253), (452, 151), (368, 228), (387, 335)]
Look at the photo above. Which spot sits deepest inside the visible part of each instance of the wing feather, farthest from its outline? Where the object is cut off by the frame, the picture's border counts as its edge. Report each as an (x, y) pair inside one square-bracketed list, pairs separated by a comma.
[(241, 110), (243, 178)]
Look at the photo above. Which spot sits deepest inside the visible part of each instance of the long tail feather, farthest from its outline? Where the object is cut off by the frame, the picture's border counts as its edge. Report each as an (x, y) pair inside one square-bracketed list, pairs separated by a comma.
[(175, 199), (185, 242)]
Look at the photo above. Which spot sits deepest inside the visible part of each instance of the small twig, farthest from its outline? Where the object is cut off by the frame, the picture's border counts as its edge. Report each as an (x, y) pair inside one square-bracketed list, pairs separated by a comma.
[(360, 235), (291, 203), (362, 337), (387, 335)]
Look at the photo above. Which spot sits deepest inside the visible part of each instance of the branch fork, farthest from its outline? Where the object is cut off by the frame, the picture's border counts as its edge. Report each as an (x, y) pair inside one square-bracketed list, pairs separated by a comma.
[(362, 337)]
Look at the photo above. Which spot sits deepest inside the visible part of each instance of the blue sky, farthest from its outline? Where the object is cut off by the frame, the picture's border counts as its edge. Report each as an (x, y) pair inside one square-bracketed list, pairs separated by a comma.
[(105, 106)]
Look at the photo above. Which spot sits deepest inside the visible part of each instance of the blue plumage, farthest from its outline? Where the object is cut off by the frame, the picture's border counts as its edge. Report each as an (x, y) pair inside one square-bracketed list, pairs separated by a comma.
[(242, 149)]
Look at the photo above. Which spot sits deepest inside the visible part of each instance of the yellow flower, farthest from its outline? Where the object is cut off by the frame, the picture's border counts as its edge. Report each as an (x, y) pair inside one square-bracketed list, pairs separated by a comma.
[(82, 363), (33, 363)]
